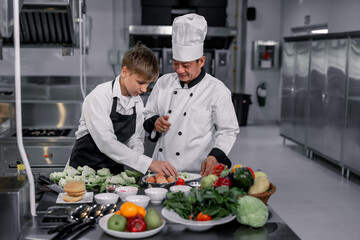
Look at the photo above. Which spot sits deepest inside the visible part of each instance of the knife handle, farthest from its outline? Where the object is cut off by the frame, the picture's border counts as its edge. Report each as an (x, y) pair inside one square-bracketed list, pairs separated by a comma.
[(45, 179), (63, 227), (79, 234)]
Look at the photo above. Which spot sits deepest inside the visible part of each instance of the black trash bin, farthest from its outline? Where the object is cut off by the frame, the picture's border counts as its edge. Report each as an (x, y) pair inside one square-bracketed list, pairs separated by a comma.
[(241, 103)]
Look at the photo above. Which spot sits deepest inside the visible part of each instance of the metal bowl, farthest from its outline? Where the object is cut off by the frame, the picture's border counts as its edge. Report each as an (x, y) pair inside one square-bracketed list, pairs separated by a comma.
[(152, 184)]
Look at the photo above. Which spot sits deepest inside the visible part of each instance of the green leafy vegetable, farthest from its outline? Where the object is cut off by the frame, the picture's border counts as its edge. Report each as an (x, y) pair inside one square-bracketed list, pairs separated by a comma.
[(217, 203), (252, 211)]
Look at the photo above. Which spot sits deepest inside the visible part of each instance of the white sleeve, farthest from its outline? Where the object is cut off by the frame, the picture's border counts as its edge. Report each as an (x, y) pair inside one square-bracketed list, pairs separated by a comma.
[(224, 117), (96, 112)]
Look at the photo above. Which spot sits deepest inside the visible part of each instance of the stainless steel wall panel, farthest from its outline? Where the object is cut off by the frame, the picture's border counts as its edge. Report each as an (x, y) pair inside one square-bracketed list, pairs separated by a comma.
[(288, 68), (300, 90), (317, 82), (335, 98), (294, 90), (326, 97), (351, 152)]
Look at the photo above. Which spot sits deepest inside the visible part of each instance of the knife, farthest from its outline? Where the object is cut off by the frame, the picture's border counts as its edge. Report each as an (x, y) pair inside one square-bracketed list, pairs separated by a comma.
[(51, 184)]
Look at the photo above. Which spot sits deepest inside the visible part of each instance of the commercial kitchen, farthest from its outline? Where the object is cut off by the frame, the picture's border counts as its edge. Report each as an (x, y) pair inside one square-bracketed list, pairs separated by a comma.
[(292, 66)]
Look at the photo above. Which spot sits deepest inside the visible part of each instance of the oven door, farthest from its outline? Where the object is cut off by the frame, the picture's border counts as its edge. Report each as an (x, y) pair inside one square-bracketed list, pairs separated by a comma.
[(44, 158)]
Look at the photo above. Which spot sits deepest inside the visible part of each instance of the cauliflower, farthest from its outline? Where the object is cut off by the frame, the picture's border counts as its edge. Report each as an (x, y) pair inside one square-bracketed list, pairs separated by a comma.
[(70, 171), (80, 169), (62, 182), (87, 171), (126, 178), (56, 176), (104, 172), (117, 179)]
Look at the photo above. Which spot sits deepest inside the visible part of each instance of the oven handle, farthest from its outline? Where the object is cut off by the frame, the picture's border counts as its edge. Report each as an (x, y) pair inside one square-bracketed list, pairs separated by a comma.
[(39, 166)]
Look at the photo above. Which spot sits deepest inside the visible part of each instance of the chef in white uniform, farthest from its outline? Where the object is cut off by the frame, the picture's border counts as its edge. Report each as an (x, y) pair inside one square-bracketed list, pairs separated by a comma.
[(190, 113)]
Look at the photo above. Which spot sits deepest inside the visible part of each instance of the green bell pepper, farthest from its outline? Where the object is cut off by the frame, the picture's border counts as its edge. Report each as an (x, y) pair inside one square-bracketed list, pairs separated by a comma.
[(243, 178)]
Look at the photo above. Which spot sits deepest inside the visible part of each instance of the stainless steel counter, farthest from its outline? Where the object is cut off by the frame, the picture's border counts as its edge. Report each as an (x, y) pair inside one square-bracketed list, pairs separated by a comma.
[(275, 228)]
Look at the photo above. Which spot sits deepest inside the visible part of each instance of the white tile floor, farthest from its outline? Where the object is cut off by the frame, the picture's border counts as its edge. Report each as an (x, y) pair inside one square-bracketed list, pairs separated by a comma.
[(312, 197)]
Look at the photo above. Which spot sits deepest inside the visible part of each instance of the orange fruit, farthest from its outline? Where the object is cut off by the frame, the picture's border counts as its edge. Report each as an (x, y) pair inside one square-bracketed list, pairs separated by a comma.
[(142, 211), (129, 209), (118, 212)]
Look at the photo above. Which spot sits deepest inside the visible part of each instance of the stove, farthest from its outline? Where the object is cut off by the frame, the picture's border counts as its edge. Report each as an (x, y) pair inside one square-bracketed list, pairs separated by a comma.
[(45, 132)]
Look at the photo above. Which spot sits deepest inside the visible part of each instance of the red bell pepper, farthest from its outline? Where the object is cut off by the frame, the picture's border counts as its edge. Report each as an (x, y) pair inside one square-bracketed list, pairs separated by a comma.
[(136, 224), (222, 181), (252, 172), (218, 169)]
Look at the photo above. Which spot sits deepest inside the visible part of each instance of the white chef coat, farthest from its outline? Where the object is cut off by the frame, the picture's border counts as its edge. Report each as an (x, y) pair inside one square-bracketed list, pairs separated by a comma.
[(95, 119), (202, 118)]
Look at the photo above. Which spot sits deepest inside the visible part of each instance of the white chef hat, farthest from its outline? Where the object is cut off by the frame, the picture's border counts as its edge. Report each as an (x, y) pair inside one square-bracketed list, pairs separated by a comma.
[(188, 35)]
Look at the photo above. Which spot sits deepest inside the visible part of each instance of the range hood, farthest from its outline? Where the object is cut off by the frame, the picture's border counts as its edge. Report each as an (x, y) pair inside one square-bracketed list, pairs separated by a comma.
[(160, 36), (43, 23)]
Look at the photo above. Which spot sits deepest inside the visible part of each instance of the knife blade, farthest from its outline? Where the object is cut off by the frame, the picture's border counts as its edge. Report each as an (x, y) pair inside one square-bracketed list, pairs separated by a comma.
[(51, 184)]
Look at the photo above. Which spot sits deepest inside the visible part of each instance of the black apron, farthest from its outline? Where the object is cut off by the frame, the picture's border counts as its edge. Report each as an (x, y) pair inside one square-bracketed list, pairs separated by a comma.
[(85, 151)]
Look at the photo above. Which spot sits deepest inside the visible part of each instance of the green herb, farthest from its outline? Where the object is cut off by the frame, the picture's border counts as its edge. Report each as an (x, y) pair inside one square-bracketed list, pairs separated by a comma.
[(217, 203)]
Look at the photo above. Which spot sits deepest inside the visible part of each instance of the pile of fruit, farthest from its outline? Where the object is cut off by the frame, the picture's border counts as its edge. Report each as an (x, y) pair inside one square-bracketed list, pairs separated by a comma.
[(134, 218)]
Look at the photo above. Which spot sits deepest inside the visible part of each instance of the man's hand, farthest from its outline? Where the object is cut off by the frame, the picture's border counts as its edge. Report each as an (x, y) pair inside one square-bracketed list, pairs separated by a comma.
[(208, 165), (162, 124), (163, 167)]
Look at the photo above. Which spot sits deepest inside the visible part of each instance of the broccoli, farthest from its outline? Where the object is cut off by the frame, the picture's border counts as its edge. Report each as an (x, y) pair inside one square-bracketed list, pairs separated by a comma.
[(104, 172)]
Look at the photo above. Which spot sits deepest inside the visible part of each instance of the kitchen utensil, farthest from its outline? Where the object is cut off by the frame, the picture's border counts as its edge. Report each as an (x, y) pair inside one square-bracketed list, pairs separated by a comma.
[(109, 208), (56, 216), (78, 215), (51, 184), (94, 212)]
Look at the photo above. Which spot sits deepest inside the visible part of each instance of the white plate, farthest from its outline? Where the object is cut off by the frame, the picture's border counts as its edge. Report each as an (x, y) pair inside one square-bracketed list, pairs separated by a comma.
[(192, 177), (129, 235), (194, 225), (88, 198)]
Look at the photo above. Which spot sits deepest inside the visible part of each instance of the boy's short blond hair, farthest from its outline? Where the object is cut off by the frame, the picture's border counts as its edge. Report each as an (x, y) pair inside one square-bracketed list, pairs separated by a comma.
[(142, 61)]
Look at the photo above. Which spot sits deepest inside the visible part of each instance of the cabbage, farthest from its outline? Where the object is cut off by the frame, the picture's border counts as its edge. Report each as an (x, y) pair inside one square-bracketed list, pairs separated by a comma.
[(251, 211)]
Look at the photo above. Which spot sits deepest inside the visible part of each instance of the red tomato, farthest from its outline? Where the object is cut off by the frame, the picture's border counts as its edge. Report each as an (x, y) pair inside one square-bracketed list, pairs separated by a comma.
[(218, 169), (180, 181), (203, 217)]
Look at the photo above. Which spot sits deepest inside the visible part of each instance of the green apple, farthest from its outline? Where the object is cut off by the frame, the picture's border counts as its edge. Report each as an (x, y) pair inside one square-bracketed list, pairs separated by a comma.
[(117, 222)]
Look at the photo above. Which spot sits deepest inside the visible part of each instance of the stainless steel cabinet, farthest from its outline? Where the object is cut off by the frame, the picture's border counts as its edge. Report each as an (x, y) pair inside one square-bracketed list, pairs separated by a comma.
[(296, 56), (351, 153), (327, 97)]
